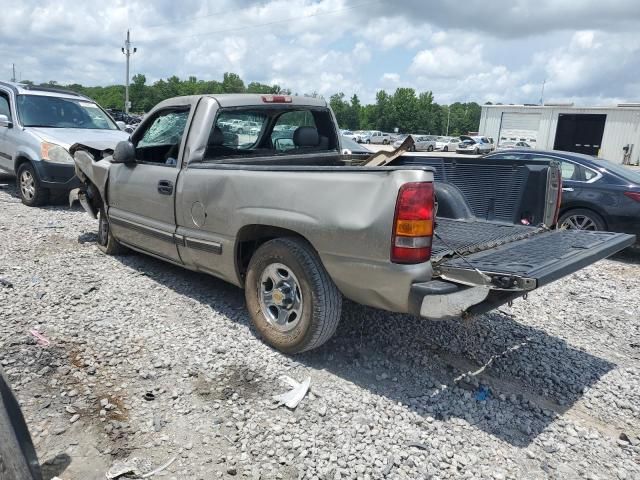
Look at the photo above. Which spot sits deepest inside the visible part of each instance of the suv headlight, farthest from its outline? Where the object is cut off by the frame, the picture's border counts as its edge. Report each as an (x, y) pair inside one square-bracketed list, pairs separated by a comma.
[(53, 153)]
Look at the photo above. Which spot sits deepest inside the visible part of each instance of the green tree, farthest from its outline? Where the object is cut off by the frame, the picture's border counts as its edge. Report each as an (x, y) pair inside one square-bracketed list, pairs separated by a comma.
[(232, 83)]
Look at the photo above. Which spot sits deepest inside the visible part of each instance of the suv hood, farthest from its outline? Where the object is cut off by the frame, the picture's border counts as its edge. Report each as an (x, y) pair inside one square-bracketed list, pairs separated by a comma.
[(65, 137)]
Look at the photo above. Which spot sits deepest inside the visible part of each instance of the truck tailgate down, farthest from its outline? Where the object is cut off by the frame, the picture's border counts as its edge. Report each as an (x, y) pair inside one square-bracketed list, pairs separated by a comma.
[(538, 258)]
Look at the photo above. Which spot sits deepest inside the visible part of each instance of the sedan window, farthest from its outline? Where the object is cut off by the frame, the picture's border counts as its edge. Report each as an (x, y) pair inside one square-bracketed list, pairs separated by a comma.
[(569, 171)]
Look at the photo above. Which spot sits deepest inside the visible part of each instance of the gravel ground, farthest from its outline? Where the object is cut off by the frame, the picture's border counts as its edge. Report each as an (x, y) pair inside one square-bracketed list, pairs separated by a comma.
[(148, 362)]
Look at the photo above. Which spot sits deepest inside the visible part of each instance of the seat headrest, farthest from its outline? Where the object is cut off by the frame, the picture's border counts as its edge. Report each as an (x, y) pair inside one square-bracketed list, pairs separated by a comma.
[(216, 137), (306, 137)]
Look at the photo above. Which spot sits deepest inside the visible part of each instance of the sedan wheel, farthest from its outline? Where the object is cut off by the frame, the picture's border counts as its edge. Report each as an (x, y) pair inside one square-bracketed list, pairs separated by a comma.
[(445, 149), (581, 219)]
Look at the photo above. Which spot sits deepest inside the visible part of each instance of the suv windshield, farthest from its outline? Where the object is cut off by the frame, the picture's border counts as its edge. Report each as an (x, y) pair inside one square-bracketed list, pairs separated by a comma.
[(55, 112)]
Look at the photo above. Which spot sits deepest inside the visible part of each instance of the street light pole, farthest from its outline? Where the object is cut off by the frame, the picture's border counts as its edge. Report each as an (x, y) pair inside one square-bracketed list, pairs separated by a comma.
[(127, 51), (448, 117)]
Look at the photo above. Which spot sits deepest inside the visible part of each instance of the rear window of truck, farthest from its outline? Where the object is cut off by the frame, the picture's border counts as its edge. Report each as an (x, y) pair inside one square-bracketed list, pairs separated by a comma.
[(268, 131)]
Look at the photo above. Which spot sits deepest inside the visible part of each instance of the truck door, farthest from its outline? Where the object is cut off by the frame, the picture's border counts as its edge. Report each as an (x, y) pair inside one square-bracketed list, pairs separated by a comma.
[(141, 196)]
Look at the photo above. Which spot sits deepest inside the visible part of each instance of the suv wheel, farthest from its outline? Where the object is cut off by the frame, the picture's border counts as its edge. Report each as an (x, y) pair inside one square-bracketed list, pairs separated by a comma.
[(293, 303), (32, 193)]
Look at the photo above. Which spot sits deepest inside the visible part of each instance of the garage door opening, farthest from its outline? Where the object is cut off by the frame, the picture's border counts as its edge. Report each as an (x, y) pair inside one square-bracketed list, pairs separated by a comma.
[(580, 133)]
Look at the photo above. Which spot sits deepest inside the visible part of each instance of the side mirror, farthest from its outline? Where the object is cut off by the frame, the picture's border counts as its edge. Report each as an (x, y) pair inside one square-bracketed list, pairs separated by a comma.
[(5, 122), (121, 125), (125, 153)]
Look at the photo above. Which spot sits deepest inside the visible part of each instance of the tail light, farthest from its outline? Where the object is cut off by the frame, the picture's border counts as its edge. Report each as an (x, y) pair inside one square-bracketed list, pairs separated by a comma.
[(633, 195), (413, 223)]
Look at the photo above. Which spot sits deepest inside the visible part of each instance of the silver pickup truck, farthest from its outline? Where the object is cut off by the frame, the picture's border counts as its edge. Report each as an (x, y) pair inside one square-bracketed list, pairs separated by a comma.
[(281, 212)]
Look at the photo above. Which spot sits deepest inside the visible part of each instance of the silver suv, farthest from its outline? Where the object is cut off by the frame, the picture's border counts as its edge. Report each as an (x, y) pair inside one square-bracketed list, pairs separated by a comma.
[(37, 127)]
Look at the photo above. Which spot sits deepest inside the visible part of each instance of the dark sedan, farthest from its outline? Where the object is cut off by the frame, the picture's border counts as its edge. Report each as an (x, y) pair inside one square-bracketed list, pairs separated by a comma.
[(596, 194)]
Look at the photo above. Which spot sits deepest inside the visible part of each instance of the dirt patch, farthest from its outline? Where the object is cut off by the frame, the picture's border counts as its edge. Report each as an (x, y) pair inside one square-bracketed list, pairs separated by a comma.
[(241, 381)]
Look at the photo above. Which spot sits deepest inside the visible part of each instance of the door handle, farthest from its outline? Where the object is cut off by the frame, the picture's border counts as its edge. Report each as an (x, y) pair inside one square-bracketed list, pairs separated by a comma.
[(165, 187), (567, 189)]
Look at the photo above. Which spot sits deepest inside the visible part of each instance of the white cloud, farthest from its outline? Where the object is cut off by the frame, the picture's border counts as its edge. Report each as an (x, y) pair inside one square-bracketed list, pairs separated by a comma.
[(329, 46)]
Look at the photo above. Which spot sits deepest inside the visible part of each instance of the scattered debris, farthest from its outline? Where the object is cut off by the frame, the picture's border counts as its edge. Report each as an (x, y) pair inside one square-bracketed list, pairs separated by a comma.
[(5, 283), (42, 340), (120, 469), (160, 468), (149, 396), (482, 393), (293, 397), (418, 445)]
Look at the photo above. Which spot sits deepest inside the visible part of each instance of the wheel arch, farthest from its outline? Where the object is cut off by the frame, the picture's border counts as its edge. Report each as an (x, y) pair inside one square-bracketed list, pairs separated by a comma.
[(251, 237)]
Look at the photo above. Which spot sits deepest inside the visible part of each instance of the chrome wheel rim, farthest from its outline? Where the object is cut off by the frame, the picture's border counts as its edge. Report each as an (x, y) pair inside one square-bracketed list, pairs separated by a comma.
[(280, 297), (27, 185), (579, 222)]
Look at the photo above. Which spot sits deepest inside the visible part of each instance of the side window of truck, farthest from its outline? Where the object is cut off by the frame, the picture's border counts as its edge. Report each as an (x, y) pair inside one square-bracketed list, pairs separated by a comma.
[(4, 105), (160, 142)]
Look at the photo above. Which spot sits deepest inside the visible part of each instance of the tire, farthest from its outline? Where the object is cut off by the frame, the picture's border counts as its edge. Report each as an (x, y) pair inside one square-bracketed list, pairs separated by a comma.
[(384, 142), (430, 148), (581, 219), (31, 191), (445, 149), (307, 310), (412, 148), (476, 151), (106, 241), (17, 455), (368, 141)]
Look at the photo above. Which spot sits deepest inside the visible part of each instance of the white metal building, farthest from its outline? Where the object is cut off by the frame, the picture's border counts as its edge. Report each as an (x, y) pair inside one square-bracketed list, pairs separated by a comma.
[(599, 131)]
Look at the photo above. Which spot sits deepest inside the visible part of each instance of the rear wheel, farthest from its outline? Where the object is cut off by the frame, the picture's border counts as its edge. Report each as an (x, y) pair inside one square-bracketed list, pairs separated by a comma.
[(292, 301), (581, 219), (368, 141), (32, 193), (430, 148), (385, 142), (445, 149), (106, 241)]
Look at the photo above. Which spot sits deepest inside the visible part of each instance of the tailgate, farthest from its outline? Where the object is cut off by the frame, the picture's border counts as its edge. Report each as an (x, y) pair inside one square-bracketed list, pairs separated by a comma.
[(532, 262)]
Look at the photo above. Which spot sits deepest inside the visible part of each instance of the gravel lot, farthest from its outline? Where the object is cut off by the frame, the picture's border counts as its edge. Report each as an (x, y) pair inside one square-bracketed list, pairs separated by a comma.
[(390, 394)]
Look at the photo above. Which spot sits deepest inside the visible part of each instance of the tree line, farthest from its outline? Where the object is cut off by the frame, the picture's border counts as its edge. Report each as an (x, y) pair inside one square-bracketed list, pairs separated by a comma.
[(405, 109)]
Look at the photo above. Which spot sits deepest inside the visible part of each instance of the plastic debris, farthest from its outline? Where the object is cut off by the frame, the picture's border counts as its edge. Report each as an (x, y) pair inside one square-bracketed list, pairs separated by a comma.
[(293, 397), (160, 468), (482, 393), (120, 469), (42, 340)]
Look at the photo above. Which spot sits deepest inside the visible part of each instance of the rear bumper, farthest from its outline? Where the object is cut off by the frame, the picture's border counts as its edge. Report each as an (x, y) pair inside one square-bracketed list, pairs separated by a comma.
[(57, 176)]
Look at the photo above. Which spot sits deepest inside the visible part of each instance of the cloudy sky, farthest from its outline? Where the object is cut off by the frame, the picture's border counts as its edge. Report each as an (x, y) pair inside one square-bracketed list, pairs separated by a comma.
[(588, 51)]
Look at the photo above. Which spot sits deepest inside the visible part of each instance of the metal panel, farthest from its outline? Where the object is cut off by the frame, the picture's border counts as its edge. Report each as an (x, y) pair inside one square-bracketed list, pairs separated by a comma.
[(621, 128)]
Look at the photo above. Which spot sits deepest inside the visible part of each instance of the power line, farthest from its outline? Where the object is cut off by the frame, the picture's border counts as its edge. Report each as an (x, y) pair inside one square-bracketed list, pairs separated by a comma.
[(277, 22)]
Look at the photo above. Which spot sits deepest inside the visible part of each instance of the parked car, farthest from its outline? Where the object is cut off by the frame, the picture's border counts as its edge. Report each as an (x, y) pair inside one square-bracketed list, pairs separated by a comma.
[(37, 127), (475, 145), (399, 139), (379, 138), (509, 145), (447, 144), (596, 194), (363, 136), (424, 143), (349, 134)]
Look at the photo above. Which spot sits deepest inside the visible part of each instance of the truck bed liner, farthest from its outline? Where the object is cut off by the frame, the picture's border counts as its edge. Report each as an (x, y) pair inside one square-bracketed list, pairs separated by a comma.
[(545, 256), (471, 236)]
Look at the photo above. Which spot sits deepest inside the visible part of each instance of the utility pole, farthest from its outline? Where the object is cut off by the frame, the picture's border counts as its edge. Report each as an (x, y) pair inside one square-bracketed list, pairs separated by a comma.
[(13, 78), (542, 93), (448, 117), (127, 51)]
